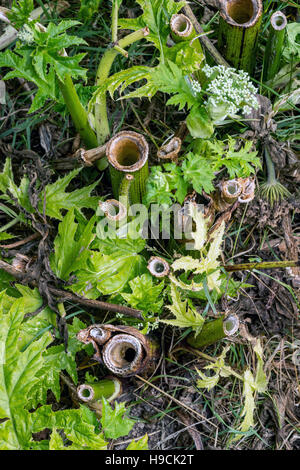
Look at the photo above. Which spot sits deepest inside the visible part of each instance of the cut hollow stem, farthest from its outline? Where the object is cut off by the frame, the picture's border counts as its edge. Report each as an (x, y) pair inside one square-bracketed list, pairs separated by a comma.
[(239, 26), (106, 388), (127, 153), (158, 267), (214, 331), (273, 51), (181, 28), (88, 157)]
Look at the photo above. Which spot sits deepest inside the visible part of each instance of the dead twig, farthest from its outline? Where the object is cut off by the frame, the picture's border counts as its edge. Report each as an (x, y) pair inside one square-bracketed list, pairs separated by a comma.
[(64, 295), (21, 242), (205, 41)]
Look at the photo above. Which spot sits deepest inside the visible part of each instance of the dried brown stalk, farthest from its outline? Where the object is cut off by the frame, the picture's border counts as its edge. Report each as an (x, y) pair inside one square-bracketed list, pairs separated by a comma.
[(124, 350), (170, 150)]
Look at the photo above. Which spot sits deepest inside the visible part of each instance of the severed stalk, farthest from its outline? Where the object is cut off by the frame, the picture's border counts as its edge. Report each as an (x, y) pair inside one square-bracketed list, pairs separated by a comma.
[(273, 51), (127, 153), (88, 157), (125, 352), (214, 331), (248, 190), (158, 267), (109, 388), (181, 28), (114, 210), (239, 27), (170, 150), (227, 194)]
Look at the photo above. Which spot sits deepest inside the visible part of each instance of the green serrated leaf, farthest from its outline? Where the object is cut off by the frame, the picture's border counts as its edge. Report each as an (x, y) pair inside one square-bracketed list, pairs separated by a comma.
[(186, 315), (145, 294), (140, 444), (71, 254), (57, 199), (198, 172), (156, 16), (114, 421), (20, 12)]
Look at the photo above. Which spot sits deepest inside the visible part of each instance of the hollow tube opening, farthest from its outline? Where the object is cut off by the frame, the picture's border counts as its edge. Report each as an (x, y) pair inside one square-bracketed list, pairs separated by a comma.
[(127, 151), (233, 188), (85, 392), (240, 11), (158, 267), (278, 21), (231, 325), (122, 354), (181, 25)]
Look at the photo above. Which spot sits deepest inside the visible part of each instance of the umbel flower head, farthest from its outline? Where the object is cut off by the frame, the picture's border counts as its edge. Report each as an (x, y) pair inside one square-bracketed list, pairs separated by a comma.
[(26, 35), (230, 91)]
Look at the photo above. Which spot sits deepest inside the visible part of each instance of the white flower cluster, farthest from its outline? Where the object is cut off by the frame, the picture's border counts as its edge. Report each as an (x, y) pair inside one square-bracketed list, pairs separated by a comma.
[(26, 34), (231, 88), (153, 326), (196, 87)]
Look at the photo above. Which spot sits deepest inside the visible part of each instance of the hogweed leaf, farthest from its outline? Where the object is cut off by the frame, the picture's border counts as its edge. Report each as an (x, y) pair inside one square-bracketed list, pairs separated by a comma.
[(20, 12), (200, 235), (57, 199), (156, 16), (207, 382), (249, 403), (71, 254), (114, 421), (145, 294), (186, 315), (198, 172), (139, 444)]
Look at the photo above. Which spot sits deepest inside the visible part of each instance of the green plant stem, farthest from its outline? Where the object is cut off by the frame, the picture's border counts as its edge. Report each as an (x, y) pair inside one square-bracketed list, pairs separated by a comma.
[(137, 187), (78, 113), (124, 192), (270, 168), (273, 51), (263, 265), (102, 125), (211, 332), (237, 37), (104, 388), (114, 23)]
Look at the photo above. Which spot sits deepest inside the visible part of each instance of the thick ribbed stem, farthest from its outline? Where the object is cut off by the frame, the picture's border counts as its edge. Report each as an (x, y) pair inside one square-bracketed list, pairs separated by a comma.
[(239, 26), (127, 153), (103, 71), (78, 113), (214, 331), (124, 193), (274, 45)]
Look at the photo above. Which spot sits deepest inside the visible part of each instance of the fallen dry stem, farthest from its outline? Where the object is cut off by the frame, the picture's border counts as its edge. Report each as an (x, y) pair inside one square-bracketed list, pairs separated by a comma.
[(64, 295)]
